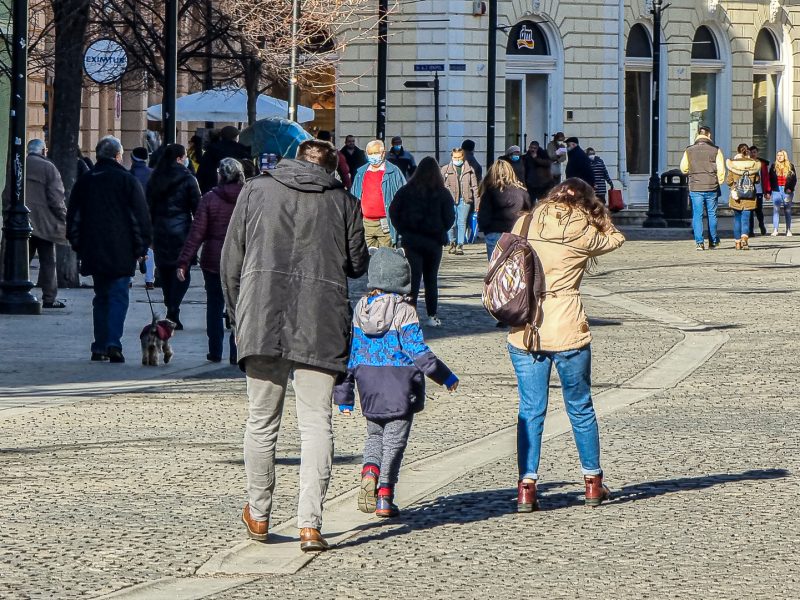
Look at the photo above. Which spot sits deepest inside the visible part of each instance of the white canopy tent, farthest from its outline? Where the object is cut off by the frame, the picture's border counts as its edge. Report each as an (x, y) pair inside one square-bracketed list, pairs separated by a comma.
[(228, 105)]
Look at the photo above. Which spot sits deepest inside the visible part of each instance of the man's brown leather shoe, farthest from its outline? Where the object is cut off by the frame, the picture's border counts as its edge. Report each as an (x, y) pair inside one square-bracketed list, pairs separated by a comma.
[(526, 497), (596, 490), (256, 530), (311, 540)]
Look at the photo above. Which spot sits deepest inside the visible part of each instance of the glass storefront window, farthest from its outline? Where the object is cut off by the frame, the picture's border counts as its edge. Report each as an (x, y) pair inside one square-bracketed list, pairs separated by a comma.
[(637, 121), (513, 112), (765, 97), (703, 103)]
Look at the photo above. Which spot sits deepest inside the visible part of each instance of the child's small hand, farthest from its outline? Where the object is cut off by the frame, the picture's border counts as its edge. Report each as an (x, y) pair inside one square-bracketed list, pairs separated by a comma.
[(453, 387)]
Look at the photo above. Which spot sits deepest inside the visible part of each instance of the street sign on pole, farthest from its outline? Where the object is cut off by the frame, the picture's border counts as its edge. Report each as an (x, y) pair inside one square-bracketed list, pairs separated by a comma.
[(428, 68)]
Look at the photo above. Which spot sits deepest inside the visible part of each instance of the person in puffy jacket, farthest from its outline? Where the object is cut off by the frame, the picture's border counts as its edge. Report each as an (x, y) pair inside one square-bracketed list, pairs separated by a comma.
[(503, 198), (462, 183), (743, 172), (173, 196), (208, 229), (387, 347), (567, 229)]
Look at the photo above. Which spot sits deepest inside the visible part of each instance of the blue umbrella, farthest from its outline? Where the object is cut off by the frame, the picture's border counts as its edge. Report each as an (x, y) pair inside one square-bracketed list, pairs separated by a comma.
[(274, 135)]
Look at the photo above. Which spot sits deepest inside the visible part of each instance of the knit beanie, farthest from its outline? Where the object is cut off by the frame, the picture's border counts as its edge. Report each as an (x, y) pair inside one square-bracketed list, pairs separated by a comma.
[(389, 271), (139, 154)]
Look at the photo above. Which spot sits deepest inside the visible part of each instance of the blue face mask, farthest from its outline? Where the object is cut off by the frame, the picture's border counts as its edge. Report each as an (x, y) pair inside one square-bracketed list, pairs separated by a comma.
[(375, 159), (515, 158), (458, 163), (397, 148)]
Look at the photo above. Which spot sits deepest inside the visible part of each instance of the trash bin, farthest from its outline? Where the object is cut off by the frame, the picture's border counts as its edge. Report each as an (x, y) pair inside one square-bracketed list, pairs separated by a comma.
[(675, 199)]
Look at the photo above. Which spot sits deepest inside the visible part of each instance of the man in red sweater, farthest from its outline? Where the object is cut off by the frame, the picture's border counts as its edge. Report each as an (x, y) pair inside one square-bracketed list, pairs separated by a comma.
[(375, 184)]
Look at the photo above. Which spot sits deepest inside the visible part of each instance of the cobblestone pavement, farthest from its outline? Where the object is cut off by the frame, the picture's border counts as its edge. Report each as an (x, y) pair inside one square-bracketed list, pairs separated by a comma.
[(110, 492)]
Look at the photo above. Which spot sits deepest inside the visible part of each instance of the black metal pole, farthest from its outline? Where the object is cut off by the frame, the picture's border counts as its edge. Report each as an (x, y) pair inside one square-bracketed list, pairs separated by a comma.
[(436, 112), (491, 85), (15, 287), (208, 76), (655, 218), (170, 72), (293, 91), (383, 40)]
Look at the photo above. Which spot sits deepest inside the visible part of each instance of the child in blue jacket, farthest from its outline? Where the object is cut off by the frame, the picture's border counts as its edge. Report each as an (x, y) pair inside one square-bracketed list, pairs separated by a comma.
[(388, 361)]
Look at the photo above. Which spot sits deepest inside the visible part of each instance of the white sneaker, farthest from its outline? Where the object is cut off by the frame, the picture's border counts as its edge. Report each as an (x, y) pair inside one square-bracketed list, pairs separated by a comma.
[(788, 233), (774, 233), (433, 321)]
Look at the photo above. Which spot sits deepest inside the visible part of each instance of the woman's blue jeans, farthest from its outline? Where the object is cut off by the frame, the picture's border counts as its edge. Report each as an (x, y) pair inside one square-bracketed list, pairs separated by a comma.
[(533, 379), (491, 243), (741, 223), (782, 203), (458, 233)]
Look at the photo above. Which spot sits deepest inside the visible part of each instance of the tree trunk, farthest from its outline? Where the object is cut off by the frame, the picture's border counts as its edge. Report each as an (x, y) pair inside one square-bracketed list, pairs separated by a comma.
[(252, 83), (71, 19)]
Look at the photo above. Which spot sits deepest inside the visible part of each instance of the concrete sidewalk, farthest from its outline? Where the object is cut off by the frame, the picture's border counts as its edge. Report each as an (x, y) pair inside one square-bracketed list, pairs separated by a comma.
[(46, 358)]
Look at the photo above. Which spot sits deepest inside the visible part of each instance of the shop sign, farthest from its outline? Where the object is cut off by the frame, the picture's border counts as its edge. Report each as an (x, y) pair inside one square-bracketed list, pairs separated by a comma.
[(105, 61)]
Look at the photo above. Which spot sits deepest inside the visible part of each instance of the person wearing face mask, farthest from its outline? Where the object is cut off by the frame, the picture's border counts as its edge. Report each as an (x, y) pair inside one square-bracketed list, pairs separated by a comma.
[(375, 185), (513, 156), (557, 151), (601, 176), (401, 157), (173, 196), (109, 227), (461, 182)]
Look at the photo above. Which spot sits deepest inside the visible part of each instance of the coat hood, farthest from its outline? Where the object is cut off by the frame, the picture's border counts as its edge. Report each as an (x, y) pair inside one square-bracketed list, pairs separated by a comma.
[(304, 176), (559, 223), (374, 315), (229, 192), (739, 165)]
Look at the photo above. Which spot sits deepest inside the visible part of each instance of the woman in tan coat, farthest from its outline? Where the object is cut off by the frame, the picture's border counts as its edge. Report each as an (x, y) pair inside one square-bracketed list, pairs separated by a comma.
[(569, 228), (743, 174)]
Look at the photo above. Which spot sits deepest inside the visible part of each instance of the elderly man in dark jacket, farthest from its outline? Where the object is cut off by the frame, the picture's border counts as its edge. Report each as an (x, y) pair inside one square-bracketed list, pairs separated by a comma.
[(294, 238), (45, 198), (578, 163), (108, 225)]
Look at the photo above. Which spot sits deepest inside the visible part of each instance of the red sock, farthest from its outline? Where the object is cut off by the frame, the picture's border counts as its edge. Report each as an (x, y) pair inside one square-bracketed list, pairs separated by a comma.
[(370, 469), (386, 491)]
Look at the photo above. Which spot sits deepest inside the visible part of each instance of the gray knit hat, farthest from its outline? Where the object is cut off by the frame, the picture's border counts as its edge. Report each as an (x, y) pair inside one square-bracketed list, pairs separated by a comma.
[(389, 271)]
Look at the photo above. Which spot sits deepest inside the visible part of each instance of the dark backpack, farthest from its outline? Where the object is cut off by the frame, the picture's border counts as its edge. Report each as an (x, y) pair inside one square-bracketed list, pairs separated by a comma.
[(745, 189), (514, 287)]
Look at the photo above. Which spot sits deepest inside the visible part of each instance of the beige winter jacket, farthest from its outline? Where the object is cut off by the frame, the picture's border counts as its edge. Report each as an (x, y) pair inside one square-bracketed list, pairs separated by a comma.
[(468, 185), (564, 240), (737, 167), (44, 196)]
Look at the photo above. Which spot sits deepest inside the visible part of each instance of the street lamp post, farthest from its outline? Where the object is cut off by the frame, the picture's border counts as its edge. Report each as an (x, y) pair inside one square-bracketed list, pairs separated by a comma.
[(170, 71), (383, 36), (655, 218), (491, 84), (15, 288), (293, 91)]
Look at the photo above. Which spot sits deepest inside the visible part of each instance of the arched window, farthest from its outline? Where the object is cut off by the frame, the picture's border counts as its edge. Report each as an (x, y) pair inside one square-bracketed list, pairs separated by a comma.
[(706, 69), (767, 71), (638, 99)]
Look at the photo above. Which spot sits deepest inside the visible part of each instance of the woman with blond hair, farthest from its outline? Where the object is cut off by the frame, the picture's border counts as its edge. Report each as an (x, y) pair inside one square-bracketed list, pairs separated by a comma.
[(783, 180), (502, 198), (567, 229)]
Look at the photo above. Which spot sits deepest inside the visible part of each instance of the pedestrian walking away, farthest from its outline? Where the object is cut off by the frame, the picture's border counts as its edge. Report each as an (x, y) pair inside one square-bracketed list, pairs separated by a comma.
[(108, 225), (355, 156), (743, 174), (468, 146), (571, 227), (763, 192), (538, 175), (173, 196), (208, 229), (514, 158), (343, 168), (142, 172), (462, 183), (401, 158), (557, 151), (44, 197), (601, 176), (375, 185), (295, 237), (227, 146), (578, 164), (422, 211), (704, 163), (388, 345), (783, 182), (503, 199)]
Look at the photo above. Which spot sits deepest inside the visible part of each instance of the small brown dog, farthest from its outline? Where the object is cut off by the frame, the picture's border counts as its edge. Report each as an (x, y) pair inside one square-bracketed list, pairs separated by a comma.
[(155, 340)]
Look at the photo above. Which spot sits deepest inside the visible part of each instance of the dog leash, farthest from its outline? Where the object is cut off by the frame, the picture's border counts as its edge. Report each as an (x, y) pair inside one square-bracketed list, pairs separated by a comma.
[(150, 302)]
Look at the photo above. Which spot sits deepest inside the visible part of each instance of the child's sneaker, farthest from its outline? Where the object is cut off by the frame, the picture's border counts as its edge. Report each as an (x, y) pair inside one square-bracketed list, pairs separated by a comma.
[(368, 493), (386, 508)]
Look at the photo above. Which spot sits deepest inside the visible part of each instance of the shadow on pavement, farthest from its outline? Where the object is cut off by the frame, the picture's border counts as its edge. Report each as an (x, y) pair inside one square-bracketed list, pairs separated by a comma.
[(471, 507)]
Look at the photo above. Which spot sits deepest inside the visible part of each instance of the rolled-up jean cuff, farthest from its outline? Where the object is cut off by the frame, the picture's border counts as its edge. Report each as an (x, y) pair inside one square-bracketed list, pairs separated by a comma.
[(591, 471), (534, 476)]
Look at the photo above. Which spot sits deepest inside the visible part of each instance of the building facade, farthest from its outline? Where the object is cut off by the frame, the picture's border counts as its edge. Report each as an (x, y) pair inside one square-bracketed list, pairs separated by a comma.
[(586, 69)]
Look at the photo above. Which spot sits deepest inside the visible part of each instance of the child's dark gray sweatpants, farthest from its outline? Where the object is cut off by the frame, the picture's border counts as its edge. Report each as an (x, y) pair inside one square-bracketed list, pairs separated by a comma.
[(386, 443)]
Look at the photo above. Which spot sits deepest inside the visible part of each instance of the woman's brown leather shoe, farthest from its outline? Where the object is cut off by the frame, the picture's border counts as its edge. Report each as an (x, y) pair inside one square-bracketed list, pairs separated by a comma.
[(256, 530), (526, 497), (311, 540), (596, 490)]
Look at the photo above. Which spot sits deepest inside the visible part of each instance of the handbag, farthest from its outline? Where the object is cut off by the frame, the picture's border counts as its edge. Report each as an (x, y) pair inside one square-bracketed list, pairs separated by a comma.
[(615, 202), (472, 228)]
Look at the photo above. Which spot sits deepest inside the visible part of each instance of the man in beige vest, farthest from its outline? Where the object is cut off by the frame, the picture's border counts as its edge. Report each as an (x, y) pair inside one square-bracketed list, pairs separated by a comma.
[(704, 163)]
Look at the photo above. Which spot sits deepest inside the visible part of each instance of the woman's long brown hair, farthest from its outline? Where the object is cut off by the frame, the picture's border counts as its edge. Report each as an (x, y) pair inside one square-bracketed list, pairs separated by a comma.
[(577, 193)]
